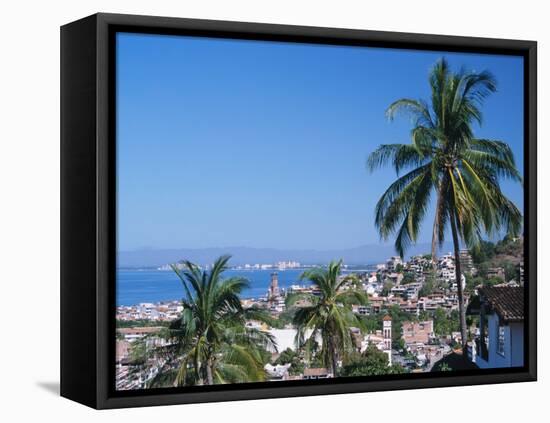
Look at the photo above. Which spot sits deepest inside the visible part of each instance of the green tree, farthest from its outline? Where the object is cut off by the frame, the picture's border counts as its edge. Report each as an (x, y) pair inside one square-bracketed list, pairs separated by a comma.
[(445, 368), (330, 314), (372, 362), (509, 245), (399, 344), (386, 288), (472, 282), (291, 357), (139, 352), (423, 316), (408, 277), (211, 343), (371, 323), (441, 326), (427, 288), (445, 159), (492, 281), (398, 316), (445, 323), (483, 269), (429, 284), (483, 251), (511, 271)]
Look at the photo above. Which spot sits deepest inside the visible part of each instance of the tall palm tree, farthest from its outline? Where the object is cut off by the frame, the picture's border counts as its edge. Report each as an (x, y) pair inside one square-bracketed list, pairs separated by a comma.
[(446, 159), (328, 316), (210, 341)]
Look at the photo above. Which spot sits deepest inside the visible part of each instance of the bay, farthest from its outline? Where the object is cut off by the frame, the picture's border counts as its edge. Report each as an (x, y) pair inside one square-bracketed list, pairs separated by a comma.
[(136, 286), (152, 286)]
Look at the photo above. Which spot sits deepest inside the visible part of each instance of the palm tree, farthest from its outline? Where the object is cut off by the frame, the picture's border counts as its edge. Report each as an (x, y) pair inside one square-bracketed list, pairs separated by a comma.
[(446, 159), (210, 342), (328, 316)]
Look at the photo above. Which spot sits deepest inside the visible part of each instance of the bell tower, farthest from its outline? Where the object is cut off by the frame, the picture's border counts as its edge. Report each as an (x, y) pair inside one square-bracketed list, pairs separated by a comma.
[(386, 333), (274, 286)]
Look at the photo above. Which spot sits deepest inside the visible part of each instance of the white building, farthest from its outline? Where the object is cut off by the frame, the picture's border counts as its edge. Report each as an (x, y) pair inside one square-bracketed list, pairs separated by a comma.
[(500, 340)]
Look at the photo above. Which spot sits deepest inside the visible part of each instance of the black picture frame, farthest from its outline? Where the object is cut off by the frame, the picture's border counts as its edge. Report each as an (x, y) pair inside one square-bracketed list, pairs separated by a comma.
[(88, 205)]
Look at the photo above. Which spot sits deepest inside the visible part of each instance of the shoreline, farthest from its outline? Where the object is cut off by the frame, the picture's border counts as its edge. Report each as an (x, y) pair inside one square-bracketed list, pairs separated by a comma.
[(138, 286)]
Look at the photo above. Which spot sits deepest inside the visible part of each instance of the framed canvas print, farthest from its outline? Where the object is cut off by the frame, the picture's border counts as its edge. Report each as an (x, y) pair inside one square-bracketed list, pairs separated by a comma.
[(257, 211)]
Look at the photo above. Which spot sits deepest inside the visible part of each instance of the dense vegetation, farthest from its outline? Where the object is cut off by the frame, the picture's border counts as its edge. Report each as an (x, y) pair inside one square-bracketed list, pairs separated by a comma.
[(506, 254), (372, 362)]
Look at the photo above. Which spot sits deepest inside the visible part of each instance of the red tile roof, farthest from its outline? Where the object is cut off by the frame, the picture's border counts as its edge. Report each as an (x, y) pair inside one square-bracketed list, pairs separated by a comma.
[(316, 371), (506, 301)]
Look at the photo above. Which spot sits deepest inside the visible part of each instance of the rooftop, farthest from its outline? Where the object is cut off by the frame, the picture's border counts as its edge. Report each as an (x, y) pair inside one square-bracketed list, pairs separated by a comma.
[(316, 371), (506, 301), (139, 330)]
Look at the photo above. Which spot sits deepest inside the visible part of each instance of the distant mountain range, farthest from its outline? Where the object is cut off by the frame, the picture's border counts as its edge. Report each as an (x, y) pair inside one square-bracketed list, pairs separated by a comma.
[(365, 254)]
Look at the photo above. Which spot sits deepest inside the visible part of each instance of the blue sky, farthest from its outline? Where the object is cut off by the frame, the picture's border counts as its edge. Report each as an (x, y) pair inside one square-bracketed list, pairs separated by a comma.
[(263, 144)]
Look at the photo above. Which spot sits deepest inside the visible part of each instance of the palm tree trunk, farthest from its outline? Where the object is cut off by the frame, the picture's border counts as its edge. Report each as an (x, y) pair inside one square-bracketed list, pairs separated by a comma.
[(333, 357), (209, 373), (436, 229), (458, 274)]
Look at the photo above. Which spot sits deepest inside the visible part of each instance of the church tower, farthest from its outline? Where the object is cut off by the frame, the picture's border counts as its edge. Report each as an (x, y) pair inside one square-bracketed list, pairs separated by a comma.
[(386, 332), (274, 286)]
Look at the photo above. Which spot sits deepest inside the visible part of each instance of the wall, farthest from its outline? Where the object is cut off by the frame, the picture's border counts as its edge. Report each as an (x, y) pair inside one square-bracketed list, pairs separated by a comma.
[(29, 175), (510, 346), (516, 335)]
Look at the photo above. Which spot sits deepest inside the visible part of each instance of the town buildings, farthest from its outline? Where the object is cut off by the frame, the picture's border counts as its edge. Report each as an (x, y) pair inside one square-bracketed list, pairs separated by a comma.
[(282, 265), (395, 287), (418, 332), (162, 311)]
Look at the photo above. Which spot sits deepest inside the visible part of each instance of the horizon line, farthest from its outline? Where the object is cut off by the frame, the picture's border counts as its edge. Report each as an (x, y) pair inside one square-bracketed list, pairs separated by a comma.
[(145, 249)]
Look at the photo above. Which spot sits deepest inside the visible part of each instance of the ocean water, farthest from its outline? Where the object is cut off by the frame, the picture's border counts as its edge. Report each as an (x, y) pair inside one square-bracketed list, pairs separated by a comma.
[(151, 286)]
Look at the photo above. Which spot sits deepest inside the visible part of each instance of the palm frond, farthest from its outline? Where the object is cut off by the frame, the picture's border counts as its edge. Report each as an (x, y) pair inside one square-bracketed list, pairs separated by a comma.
[(402, 156)]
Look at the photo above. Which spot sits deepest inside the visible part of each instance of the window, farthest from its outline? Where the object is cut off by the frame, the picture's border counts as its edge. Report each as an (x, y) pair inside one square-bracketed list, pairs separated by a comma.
[(500, 344)]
